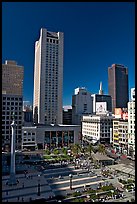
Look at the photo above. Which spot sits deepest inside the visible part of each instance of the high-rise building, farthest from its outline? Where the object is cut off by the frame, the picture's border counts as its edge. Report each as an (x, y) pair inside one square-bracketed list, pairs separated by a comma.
[(118, 85), (48, 78), (82, 104), (12, 100), (101, 97)]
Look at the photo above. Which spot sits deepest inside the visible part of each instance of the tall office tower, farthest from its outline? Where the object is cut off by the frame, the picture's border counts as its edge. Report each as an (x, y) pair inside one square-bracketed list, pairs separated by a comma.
[(131, 124), (118, 85), (12, 100), (48, 78), (100, 97), (82, 104)]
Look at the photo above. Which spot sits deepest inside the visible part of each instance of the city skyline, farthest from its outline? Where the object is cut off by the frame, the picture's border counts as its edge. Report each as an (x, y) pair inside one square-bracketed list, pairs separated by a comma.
[(96, 35)]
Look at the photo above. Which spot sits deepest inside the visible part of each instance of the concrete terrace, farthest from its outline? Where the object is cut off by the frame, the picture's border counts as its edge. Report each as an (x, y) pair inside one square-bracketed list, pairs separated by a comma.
[(26, 188)]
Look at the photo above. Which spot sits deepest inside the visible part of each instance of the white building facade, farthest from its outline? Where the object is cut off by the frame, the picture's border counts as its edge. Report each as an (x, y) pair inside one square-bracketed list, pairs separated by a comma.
[(48, 78), (97, 128), (82, 104), (131, 128)]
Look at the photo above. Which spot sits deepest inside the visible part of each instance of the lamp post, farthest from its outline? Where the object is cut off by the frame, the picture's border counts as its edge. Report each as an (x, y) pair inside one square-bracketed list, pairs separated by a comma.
[(97, 196), (70, 176), (112, 193), (38, 185)]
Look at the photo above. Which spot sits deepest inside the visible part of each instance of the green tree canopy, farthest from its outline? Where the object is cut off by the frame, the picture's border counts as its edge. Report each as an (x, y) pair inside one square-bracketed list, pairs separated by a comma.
[(101, 149), (64, 150), (56, 151), (76, 148), (47, 151), (89, 149)]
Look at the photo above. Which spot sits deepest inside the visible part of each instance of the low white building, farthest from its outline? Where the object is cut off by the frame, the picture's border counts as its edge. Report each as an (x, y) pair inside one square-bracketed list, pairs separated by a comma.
[(50, 136), (97, 128)]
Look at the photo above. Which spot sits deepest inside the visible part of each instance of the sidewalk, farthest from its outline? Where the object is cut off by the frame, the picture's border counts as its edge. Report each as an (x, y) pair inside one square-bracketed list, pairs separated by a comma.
[(26, 188)]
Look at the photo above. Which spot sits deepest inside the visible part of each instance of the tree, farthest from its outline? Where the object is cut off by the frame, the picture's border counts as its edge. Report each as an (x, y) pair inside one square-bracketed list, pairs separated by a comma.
[(47, 151), (64, 150), (90, 149), (131, 151), (56, 151), (76, 149), (101, 148)]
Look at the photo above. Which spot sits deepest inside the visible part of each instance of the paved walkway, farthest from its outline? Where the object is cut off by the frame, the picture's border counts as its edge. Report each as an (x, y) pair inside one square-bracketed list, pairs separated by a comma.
[(128, 169), (26, 188)]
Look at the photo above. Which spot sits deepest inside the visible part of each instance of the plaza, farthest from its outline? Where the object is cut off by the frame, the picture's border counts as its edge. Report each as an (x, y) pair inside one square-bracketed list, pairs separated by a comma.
[(54, 181)]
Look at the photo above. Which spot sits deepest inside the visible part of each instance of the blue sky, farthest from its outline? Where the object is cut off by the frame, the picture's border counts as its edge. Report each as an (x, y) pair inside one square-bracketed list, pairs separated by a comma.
[(96, 35)]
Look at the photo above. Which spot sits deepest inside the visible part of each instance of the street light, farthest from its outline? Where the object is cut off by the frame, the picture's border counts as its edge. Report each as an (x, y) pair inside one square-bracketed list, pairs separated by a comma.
[(97, 196), (38, 185), (70, 176), (112, 192)]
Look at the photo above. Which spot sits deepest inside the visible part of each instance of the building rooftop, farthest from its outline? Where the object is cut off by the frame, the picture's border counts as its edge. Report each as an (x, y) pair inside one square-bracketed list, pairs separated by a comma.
[(100, 157)]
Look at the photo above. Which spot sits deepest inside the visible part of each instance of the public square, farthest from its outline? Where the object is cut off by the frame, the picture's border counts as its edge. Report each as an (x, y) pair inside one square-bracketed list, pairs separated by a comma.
[(53, 180)]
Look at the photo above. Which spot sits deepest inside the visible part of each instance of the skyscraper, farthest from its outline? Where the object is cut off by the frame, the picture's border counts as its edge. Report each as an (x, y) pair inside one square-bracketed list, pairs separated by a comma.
[(12, 100), (48, 78), (118, 85)]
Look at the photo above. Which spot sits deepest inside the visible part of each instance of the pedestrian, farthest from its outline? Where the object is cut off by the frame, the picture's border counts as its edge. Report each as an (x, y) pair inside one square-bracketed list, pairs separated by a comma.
[(22, 185), (18, 198), (22, 199), (6, 192)]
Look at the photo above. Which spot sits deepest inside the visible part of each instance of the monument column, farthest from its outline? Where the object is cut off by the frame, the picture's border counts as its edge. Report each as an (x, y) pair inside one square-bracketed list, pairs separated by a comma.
[(12, 180)]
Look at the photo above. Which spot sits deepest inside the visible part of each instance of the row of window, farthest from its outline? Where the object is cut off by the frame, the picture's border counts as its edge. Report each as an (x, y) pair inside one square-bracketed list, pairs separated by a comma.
[(12, 103), (7, 122), (12, 99), (29, 133), (49, 40), (9, 117), (19, 108), (29, 139)]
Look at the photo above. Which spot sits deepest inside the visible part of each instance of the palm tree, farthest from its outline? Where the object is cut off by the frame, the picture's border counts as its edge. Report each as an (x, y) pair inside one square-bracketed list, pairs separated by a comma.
[(75, 149), (101, 148), (90, 149)]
